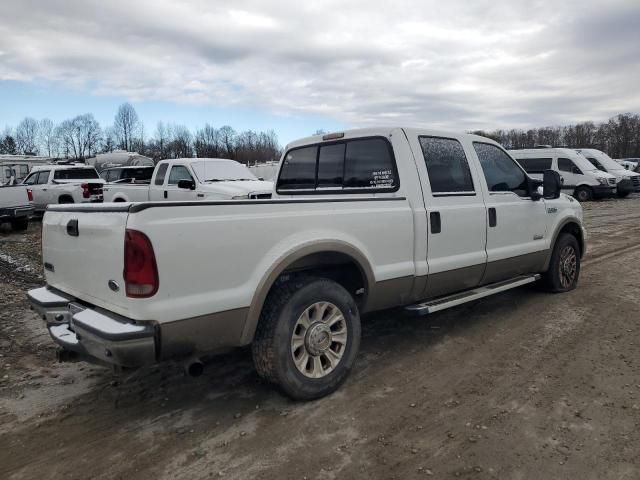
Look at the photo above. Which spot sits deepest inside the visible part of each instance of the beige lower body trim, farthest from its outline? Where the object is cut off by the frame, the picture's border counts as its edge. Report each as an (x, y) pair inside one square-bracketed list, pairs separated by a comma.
[(204, 334)]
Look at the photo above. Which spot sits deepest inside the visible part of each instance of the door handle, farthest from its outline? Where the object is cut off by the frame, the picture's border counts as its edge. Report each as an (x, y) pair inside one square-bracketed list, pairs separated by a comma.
[(493, 217), (165, 194), (436, 223)]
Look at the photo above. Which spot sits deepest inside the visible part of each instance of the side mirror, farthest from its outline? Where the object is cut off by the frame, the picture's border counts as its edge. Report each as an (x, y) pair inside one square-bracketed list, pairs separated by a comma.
[(551, 184), (187, 184), (534, 189), (576, 170)]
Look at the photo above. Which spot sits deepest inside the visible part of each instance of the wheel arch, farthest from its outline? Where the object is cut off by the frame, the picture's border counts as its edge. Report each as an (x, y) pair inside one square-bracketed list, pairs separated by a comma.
[(318, 258), (572, 226)]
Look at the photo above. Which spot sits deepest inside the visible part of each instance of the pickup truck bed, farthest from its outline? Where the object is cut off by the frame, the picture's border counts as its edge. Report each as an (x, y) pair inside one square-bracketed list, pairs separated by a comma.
[(292, 275)]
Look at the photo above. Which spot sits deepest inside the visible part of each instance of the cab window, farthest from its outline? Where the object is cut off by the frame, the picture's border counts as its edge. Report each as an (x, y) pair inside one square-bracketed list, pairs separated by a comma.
[(179, 172), (501, 172), (535, 165), (447, 166), (364, 164)]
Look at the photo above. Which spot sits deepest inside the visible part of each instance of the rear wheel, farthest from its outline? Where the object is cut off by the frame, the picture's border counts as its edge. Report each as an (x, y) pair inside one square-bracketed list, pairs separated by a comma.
[(308, 337), (65, 199), (583, 194), (564, 267), (20, 224)]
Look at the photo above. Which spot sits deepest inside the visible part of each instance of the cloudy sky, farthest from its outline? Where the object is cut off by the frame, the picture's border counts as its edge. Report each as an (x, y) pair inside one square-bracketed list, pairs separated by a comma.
[(300, 66)]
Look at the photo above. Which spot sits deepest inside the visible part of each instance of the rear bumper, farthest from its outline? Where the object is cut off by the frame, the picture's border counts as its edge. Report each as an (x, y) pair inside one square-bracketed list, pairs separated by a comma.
[(94, 333), (12, 213)]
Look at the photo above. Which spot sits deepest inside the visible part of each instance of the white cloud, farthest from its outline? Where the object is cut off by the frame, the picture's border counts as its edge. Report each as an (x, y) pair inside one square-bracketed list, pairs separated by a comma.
[(448, 65)]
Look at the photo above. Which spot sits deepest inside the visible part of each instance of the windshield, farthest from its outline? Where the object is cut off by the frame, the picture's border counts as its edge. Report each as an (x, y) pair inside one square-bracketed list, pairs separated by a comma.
[(582, 163), (218, 170), (75, 174), (601, 158)]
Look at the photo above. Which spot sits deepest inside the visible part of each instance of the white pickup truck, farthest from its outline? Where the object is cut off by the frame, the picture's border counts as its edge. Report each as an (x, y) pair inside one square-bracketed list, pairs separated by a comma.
[(15, 206), (193, 179), (359, 221), (51, 184)]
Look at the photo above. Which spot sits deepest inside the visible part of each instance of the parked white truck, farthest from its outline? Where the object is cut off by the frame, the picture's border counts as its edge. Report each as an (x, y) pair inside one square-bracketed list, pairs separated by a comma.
[(15, 206), (359, 221), (51, 184), (193, 179), (627, 181)]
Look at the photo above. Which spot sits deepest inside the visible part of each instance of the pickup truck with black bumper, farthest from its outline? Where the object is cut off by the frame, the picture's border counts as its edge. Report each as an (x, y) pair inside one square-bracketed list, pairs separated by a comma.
[(359, 221)]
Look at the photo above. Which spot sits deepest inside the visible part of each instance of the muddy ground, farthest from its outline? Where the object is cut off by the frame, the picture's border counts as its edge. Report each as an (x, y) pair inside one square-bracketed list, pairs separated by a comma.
[(523, 385)]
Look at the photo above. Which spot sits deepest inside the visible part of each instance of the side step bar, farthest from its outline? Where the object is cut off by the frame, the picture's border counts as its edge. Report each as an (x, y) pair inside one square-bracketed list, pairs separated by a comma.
[(456, 299)]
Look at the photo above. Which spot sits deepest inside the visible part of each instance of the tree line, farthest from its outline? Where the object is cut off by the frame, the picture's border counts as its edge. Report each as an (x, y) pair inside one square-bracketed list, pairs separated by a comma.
[(619, 137), (83, 137)]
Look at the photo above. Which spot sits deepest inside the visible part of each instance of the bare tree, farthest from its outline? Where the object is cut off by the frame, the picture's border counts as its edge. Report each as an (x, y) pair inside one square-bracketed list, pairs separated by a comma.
[(207, 143), (127, 126), (80, 136), (27, 136), (180, 146), (47, 137)]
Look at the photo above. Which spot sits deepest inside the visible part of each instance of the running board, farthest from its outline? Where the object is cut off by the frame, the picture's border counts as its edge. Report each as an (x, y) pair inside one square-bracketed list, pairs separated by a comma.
[(456, 299)]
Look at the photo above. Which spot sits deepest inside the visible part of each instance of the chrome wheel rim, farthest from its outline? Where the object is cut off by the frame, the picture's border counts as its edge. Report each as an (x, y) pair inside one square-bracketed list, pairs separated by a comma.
[(568, 266), (319, 340)]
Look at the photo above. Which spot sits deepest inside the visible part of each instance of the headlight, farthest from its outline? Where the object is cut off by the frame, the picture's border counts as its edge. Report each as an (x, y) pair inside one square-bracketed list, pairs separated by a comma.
[(240, 197), (603, 181)]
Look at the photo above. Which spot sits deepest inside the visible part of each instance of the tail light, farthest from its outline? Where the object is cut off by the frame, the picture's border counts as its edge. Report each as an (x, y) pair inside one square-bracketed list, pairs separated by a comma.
[(140, 269), (30, 194), (85, 190)]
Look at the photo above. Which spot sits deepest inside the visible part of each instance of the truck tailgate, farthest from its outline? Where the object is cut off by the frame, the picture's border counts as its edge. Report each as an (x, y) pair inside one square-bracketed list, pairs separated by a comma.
[(83, 250)]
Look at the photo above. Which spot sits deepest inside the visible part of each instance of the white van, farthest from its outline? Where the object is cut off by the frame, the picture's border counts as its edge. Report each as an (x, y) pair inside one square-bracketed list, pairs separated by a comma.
[(579, 177), (626, 180)]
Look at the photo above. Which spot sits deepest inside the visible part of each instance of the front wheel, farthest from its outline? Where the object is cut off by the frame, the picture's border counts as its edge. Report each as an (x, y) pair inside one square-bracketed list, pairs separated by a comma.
[(583, 194), (564, 267), (308, 337), (623, 193)]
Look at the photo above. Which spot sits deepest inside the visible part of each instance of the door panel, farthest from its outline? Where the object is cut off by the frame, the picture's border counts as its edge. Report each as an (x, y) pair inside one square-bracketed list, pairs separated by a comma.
[(518, 226), (174, 193), (456, 214)]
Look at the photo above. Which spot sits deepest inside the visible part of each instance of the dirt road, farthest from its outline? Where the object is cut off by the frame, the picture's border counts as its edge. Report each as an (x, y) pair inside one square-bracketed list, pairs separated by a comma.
[(523, 385)]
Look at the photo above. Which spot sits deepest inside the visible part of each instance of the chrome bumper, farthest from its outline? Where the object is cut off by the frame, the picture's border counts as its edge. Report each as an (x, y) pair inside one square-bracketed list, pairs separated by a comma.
[(94, 333)]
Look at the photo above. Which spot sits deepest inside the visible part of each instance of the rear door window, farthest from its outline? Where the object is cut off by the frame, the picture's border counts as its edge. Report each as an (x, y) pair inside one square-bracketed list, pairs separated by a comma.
[(162, 171), (447, 166), (43, 177), (32, 179)]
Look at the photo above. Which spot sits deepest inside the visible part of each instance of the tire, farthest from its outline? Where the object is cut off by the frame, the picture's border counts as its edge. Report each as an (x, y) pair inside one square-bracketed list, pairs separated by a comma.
[(285, 333), (583, 194), (65, 200), (623, 194), (563, 273), (20, 224)]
